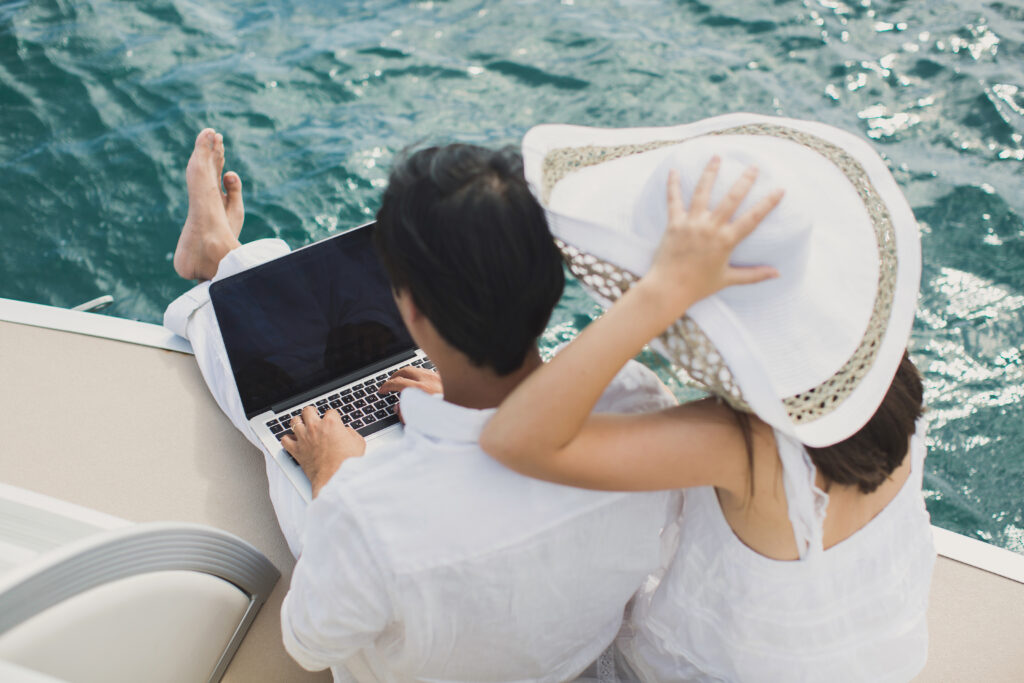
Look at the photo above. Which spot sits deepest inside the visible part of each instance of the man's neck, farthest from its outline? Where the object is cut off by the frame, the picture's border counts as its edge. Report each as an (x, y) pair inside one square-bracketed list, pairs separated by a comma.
[(471, 386)]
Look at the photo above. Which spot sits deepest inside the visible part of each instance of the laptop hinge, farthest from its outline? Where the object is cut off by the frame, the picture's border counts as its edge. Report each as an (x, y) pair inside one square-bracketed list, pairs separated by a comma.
[(341, 381)]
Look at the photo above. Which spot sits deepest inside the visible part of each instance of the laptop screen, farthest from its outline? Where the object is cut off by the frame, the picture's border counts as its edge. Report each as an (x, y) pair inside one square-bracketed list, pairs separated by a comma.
[(320, 315)]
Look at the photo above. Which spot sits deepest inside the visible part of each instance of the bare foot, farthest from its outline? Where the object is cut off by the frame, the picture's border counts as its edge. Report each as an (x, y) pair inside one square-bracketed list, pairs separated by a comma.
[(207, 235), (231, 196)]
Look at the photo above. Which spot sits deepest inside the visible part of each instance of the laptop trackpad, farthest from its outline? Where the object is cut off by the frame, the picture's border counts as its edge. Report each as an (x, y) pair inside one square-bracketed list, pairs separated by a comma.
[(384, 437)]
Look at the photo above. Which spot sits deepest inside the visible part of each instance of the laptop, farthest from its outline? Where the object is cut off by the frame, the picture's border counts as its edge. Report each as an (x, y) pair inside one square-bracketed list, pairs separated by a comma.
[(316, 327)]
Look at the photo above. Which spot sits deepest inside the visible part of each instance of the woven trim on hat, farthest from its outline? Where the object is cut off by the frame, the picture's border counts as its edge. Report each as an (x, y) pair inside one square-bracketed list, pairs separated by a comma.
[(689, 347), (559, 163)]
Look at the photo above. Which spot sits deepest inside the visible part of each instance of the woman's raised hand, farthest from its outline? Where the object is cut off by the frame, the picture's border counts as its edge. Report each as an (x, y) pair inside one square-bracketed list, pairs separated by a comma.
[(692, 261)]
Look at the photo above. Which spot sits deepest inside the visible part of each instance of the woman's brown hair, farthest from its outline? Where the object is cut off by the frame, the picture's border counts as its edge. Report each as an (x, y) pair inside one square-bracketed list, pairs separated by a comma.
[(867, 458), (870, 456)]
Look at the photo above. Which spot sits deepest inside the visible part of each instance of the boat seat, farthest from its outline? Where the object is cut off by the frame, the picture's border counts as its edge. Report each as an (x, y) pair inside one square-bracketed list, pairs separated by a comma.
[(90, 597)]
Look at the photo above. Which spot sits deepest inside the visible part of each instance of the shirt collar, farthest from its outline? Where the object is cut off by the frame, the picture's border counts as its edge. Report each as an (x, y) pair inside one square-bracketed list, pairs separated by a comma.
[(432, 416)]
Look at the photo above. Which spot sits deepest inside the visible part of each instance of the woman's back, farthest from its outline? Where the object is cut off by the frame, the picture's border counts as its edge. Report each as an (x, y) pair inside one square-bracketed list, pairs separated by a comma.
[(758, 515), (854, 611)]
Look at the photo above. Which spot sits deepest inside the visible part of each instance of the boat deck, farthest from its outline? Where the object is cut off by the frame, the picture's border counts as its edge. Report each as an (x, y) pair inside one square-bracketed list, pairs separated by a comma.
[(128, 428)]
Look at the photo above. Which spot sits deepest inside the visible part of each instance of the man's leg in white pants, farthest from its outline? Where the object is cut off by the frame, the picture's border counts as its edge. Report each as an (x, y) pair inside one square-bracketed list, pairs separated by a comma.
[(191, 316), (208, 250)]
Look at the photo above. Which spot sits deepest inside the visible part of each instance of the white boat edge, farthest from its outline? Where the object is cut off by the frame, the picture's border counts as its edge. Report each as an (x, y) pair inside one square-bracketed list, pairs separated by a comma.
[(92, 324), (973, 552)]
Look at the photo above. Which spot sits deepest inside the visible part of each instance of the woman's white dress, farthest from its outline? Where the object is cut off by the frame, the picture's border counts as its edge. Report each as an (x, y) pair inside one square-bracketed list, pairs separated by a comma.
[(854, 612)]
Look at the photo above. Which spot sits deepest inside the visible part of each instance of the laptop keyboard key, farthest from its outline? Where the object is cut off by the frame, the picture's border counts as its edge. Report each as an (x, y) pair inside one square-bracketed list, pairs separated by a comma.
[(360, 403), (377, 426), (356, 424), (369, 419), (276, 428)]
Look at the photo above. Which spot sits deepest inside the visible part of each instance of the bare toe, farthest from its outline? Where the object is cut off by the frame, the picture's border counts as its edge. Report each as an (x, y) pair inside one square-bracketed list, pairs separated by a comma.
[(218, 153), (233, 202), (205, 139)]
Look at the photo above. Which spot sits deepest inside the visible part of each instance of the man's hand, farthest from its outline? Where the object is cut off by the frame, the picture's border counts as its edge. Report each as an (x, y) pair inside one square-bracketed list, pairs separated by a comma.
[(321, 445), (426, 380)]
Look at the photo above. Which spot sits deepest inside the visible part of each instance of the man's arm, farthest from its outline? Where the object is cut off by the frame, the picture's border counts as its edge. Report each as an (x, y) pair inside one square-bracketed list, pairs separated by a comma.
[(338, 602)]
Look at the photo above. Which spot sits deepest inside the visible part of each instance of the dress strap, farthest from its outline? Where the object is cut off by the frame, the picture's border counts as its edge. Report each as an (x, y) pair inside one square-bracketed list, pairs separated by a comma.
[(807, 504), (918, 450)]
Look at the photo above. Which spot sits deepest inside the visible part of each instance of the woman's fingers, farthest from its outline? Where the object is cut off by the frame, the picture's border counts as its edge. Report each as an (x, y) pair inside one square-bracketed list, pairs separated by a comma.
[(676, 208), (702, 193), (737, 193), (750, 275), (745, 224)]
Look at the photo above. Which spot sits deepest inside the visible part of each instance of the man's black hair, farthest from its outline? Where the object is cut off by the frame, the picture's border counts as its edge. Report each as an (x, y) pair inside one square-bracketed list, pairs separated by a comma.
[(459, 230)]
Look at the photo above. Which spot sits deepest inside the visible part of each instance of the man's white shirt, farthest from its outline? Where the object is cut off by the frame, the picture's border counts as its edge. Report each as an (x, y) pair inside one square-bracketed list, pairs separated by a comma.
[(428, 560)]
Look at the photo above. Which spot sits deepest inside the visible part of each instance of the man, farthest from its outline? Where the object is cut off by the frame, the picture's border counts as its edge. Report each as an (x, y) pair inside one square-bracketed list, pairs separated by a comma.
[(425, 559)]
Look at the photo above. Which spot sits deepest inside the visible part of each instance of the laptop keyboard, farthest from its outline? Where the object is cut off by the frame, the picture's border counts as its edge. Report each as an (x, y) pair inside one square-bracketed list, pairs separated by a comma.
[(359, 405)]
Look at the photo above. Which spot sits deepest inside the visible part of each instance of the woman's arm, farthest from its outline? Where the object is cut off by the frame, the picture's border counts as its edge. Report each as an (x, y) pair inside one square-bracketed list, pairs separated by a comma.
[(542, 428), (695, 444)]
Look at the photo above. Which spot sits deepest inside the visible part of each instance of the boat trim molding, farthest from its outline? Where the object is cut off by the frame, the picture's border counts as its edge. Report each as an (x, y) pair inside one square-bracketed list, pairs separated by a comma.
[(985, 556), (92, 324)]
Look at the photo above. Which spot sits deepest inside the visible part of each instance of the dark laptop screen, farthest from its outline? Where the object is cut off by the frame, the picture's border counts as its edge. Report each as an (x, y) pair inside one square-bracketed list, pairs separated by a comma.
[(313, 317)]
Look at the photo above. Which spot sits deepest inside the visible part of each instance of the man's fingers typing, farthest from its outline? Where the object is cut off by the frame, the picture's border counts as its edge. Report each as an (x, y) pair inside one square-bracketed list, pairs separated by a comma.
[(289, 443), (396, 384), (420, 378)]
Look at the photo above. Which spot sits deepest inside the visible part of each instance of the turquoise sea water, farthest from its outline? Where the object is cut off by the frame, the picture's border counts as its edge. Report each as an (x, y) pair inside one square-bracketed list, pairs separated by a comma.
[(100, 101)]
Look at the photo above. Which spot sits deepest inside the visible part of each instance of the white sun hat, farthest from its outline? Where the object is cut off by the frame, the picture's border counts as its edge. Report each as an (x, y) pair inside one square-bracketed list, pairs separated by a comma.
[(813, 352)]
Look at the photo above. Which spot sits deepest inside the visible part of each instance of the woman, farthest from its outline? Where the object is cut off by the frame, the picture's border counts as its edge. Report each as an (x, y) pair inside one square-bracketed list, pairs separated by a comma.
[(804, 550)]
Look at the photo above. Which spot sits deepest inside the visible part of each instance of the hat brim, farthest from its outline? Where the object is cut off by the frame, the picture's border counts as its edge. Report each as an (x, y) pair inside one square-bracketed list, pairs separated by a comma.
[(776, 345)]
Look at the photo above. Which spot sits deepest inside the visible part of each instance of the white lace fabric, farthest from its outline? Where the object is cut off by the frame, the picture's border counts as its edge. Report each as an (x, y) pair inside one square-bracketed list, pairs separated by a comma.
[(854, 612)]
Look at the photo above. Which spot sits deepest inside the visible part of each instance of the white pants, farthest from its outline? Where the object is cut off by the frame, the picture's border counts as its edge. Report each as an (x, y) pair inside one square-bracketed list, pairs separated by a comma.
[(191, 316)]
